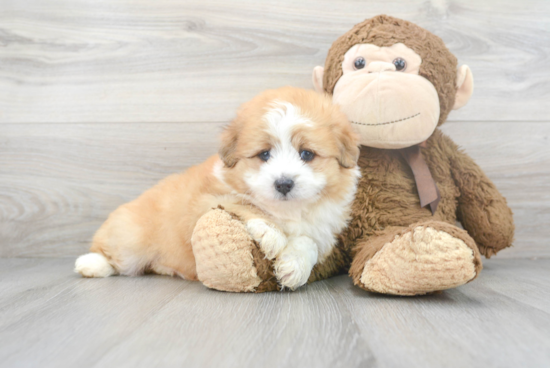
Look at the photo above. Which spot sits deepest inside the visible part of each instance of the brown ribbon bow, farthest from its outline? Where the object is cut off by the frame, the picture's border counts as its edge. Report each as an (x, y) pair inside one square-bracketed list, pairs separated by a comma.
[(425, 183)]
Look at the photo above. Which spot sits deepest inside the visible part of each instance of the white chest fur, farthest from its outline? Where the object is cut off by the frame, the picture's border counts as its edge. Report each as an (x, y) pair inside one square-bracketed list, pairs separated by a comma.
[(321, 222)]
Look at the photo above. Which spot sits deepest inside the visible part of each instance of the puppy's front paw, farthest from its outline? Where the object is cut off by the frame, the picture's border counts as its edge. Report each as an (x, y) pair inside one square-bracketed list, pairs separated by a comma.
[(294, 264), (271, 240)]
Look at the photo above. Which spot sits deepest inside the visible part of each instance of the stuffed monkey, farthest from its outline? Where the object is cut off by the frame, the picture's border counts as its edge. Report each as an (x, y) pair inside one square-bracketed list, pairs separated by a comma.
[(396, 82)]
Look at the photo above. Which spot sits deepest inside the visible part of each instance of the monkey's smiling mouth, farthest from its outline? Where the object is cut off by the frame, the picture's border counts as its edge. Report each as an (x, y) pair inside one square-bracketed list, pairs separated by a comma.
[(388, 122)]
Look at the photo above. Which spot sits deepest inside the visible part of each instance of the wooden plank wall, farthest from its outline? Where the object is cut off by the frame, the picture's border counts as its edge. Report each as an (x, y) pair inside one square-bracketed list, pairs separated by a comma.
[(101, 99)]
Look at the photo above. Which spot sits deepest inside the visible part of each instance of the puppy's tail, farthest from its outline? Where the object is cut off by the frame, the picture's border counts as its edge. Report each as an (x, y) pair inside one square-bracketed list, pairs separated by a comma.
[(94, 265)]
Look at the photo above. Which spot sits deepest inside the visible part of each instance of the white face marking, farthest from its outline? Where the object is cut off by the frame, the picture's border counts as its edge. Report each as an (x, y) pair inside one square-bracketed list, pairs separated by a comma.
[(284, 162)]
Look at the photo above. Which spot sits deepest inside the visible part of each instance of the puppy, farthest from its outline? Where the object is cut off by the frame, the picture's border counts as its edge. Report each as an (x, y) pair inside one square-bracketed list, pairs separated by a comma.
[(287, 167)]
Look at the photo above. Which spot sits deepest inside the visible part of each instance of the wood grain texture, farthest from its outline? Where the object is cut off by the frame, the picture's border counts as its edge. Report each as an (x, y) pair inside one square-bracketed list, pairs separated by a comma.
[(496, 321), (51, 317), (58, 182), (197, 60)]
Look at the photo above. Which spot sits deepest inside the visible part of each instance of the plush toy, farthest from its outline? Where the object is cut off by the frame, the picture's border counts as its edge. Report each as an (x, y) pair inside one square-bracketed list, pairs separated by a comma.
[(397, 83)]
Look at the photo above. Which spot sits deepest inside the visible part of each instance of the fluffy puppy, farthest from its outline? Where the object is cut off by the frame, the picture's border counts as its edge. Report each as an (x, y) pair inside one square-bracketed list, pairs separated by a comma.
[(286, 166)]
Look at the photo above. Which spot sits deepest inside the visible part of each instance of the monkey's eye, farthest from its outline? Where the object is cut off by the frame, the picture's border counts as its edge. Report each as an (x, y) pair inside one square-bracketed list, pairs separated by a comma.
[(264, 156), (306, 155), (400, 64), (359, 62)]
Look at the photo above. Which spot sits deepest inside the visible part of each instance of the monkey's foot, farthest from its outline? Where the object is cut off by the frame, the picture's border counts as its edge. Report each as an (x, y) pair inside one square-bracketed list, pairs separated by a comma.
[(420, 260), (227, 258)]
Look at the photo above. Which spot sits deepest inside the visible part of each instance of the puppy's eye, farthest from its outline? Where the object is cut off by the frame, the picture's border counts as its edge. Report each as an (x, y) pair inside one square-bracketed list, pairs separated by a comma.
[(306, 155), (264, 156), (400, 64), (359, 62)]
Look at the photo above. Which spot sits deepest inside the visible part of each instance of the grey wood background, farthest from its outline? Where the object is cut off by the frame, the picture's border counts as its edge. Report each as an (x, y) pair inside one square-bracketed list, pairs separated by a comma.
[(101, 99), (52, 318)]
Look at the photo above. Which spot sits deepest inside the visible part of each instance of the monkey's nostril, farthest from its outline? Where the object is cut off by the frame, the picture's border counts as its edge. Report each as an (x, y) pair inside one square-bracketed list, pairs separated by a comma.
[(284, 185)]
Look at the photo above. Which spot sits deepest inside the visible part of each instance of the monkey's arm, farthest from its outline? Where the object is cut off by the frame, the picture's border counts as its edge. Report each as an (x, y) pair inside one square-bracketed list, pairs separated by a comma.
[(482, 210)]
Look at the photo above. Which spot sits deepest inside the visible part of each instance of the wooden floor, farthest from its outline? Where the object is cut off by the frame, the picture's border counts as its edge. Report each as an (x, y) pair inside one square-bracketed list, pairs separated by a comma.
[(50, 317), (101, 99)]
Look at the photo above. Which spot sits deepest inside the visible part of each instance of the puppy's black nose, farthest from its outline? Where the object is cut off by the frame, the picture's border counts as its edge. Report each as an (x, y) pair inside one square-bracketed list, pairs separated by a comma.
[(284, 185)]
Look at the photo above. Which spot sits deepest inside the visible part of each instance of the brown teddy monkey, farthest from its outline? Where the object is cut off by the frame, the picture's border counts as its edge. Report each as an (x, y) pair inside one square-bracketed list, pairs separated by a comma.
[(397, 83)]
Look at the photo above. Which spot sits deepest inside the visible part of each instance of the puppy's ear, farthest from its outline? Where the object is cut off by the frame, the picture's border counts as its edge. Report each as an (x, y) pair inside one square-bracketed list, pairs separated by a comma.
[(228, 148), (348, 145)]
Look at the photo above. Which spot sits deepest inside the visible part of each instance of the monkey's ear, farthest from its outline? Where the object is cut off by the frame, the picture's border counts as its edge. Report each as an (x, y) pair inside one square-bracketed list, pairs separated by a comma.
[(318, 78), (465, 83), (228, 148)]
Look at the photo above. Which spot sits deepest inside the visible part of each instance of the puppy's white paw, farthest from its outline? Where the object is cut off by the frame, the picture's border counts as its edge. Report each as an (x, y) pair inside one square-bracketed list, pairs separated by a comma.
[(293, 266), (93, 265), (271, 240)]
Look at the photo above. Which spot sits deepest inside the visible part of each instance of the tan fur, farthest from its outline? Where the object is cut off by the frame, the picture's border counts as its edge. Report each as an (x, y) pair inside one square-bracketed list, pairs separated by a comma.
[(156, 228), (154, 232)]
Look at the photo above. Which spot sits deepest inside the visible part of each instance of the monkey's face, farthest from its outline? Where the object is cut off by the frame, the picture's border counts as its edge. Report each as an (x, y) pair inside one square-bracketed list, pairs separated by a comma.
[(395, 94), (385, 98)]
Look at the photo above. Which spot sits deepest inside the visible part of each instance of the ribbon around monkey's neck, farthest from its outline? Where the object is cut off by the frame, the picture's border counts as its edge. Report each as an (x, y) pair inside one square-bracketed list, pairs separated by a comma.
[(425, 183)]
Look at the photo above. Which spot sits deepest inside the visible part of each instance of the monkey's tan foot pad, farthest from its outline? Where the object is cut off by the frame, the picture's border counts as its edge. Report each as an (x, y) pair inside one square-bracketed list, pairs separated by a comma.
[(227, 258), (420, 261)]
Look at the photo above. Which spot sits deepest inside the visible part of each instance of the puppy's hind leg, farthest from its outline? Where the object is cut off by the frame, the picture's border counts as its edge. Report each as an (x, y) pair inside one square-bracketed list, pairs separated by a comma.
[(94, 265), (117, 248)]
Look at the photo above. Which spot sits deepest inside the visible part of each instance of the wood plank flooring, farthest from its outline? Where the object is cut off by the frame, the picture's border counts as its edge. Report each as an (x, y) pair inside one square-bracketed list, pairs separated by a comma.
[(50, 317)]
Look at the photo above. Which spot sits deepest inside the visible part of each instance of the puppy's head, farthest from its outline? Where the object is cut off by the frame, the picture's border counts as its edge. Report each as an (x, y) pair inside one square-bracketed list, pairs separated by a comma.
[(289, 146)]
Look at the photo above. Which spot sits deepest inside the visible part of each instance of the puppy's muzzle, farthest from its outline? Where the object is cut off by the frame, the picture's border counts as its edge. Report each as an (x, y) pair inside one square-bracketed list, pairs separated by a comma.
[(284, 185)]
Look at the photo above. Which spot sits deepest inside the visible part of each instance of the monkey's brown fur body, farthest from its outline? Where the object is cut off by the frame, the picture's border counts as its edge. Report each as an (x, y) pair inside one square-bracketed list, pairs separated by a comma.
[(392, 245)]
